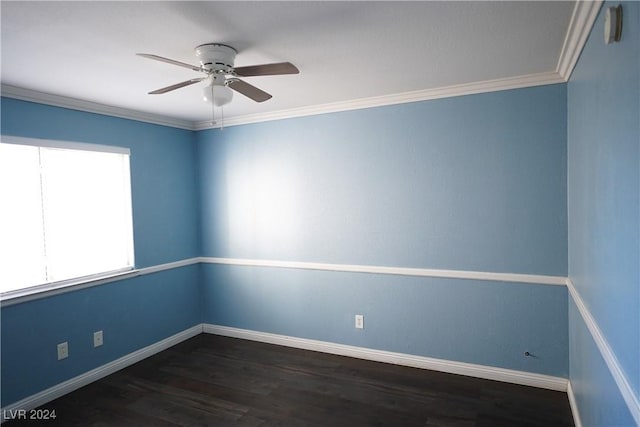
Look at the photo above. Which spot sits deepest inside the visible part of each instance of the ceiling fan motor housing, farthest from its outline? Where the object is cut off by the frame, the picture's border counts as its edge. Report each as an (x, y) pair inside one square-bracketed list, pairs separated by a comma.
[(216, 58)]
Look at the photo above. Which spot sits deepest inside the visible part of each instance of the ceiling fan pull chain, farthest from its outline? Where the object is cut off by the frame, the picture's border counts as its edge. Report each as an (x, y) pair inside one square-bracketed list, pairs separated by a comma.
[(213, 109)]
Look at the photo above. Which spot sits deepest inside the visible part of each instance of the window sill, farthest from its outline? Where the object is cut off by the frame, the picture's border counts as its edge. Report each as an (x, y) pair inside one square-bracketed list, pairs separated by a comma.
[(49, 289), (42, 291)]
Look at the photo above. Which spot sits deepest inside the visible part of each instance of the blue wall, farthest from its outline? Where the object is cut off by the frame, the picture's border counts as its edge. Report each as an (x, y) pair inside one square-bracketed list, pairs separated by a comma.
[(604, 214), (132, 313), (164, 185), (468, 183)]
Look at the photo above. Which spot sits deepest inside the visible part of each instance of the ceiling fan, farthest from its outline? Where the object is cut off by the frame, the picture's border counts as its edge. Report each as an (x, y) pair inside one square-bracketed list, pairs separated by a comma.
[(217, 63)]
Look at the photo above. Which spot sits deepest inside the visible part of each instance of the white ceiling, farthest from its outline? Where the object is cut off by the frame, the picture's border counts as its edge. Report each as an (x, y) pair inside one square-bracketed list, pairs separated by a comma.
[(344, 50)]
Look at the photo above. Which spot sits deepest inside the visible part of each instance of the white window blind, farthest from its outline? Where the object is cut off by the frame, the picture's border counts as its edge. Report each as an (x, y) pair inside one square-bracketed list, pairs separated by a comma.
[(65, 212)]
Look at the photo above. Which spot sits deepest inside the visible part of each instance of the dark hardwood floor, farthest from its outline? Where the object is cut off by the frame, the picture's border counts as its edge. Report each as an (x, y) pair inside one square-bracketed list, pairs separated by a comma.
[(216, 381)]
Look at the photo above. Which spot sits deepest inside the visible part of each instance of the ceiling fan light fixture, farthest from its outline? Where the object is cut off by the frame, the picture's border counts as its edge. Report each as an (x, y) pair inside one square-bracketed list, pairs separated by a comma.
[(222, 95), (217, 92)]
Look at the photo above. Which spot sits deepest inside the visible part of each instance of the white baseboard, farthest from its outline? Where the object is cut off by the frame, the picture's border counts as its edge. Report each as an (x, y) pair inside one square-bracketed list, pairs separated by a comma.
[(574, 406), (75, 383), (461, 368)]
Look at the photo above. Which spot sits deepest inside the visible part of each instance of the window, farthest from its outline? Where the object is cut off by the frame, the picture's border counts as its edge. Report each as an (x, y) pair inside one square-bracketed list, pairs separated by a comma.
[(65, 213)]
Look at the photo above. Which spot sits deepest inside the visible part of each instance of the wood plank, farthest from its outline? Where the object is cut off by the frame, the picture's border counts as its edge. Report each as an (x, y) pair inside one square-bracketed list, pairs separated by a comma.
[(218, 381)]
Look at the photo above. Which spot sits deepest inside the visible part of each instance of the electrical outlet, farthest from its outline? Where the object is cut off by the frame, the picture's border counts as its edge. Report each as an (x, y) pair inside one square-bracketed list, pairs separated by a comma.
[(63, 350), (359, 321), (97, 339)]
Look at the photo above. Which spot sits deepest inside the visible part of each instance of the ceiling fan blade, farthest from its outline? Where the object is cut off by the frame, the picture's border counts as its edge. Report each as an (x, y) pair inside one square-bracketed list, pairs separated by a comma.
[(248, 90), (176, 86), (169, 61), (266, 69)]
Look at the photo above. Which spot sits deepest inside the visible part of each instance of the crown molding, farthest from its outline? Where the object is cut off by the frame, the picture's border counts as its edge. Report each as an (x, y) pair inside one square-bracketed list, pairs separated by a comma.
[(494, 85), (582, 20), (91, 107), (529, 80), (518, 82)]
